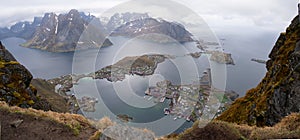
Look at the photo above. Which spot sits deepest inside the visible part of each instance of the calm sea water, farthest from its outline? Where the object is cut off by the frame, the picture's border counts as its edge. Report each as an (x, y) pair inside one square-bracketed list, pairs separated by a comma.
[(41, 64), (127, 97)]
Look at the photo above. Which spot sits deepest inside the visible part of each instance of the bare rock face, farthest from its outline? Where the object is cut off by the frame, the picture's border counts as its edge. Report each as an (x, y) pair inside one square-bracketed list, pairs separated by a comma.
[(15, 81), (78, 31), (154, 29), (61, 33), (120, 19), (23, 29), (278, 94), (5, 33)]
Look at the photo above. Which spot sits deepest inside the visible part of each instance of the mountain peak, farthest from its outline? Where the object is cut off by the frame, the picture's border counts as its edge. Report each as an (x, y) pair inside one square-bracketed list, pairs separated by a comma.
[(153, 29), (61, 33)]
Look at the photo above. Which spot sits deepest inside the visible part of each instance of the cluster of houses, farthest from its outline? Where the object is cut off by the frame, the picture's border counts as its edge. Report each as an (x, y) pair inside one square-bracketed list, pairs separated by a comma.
[(183, 98), (87, 104)]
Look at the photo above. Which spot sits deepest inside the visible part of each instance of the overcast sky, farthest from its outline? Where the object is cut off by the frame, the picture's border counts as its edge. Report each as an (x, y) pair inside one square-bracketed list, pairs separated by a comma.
[(219, 14)]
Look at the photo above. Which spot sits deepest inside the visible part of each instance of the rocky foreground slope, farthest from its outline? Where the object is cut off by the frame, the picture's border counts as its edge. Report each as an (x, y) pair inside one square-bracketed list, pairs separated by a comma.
[(15, 81), (18, 123), (288, 128), (278, 94), (16, 86)]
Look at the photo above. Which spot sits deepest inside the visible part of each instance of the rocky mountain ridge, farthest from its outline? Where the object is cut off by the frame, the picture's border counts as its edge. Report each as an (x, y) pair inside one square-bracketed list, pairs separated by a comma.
[(23, 29), (144, 26), (76, 30), (154, 29), (61, 33), (278, 94), (119, 19)]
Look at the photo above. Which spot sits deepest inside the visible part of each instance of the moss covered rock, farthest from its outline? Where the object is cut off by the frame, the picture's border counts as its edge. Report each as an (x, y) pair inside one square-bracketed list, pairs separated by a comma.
[(15, 87), (278, 94)]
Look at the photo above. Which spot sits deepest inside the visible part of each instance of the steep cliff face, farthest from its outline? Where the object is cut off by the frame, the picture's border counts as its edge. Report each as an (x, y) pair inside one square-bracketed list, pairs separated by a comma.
[(278, 94), (61, 33), (15, 80)]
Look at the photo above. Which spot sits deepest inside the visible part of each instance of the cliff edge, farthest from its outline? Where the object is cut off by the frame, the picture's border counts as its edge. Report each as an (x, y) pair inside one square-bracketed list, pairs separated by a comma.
[(278, 94)]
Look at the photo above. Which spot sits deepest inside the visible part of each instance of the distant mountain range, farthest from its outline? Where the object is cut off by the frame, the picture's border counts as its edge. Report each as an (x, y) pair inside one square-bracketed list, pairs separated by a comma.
[(23, 29), (118, 19), (154, 29), (76, 30)]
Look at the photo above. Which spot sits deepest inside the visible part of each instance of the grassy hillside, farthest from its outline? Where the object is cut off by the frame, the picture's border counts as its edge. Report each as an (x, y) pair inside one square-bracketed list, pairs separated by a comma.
[(37, 124), (289, 127), (278, 94)]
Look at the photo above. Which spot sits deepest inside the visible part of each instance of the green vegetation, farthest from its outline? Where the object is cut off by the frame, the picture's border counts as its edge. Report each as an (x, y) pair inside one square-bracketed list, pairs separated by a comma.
[(3, 63), (45, 91), (252, 108)]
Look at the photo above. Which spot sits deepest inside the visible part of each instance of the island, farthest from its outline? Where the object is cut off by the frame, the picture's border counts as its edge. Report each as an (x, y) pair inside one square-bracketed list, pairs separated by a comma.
[(124, 118), (195, 54), (135, 65), (216, 55), (221, 57), (144, 65), (259, 61)]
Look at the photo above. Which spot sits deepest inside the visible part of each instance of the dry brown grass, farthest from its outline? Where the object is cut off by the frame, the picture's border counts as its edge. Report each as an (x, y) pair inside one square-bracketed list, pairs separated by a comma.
[(96, 135), (73, 121), (289, 127), (102, 123), (45, 90)]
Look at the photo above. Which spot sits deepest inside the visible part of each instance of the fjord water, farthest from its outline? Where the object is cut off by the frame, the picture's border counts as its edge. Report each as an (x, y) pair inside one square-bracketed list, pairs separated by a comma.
[(119, 97), (41, 64), (240, 77)]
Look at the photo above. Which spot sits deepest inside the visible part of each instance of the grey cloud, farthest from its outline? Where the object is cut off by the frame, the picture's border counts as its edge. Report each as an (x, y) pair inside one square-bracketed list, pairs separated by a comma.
[(261, 13)]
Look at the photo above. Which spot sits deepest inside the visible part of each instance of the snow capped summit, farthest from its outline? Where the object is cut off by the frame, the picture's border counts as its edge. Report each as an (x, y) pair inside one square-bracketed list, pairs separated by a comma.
[(120, 19), (60, 33), (147, 27)]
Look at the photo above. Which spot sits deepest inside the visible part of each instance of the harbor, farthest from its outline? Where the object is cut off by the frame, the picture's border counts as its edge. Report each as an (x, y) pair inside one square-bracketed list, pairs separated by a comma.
[(188, 101)]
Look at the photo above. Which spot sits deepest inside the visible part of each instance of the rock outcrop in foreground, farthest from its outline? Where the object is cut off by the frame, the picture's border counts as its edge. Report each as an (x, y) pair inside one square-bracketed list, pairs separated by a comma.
[(15, 88), (278, 94)]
